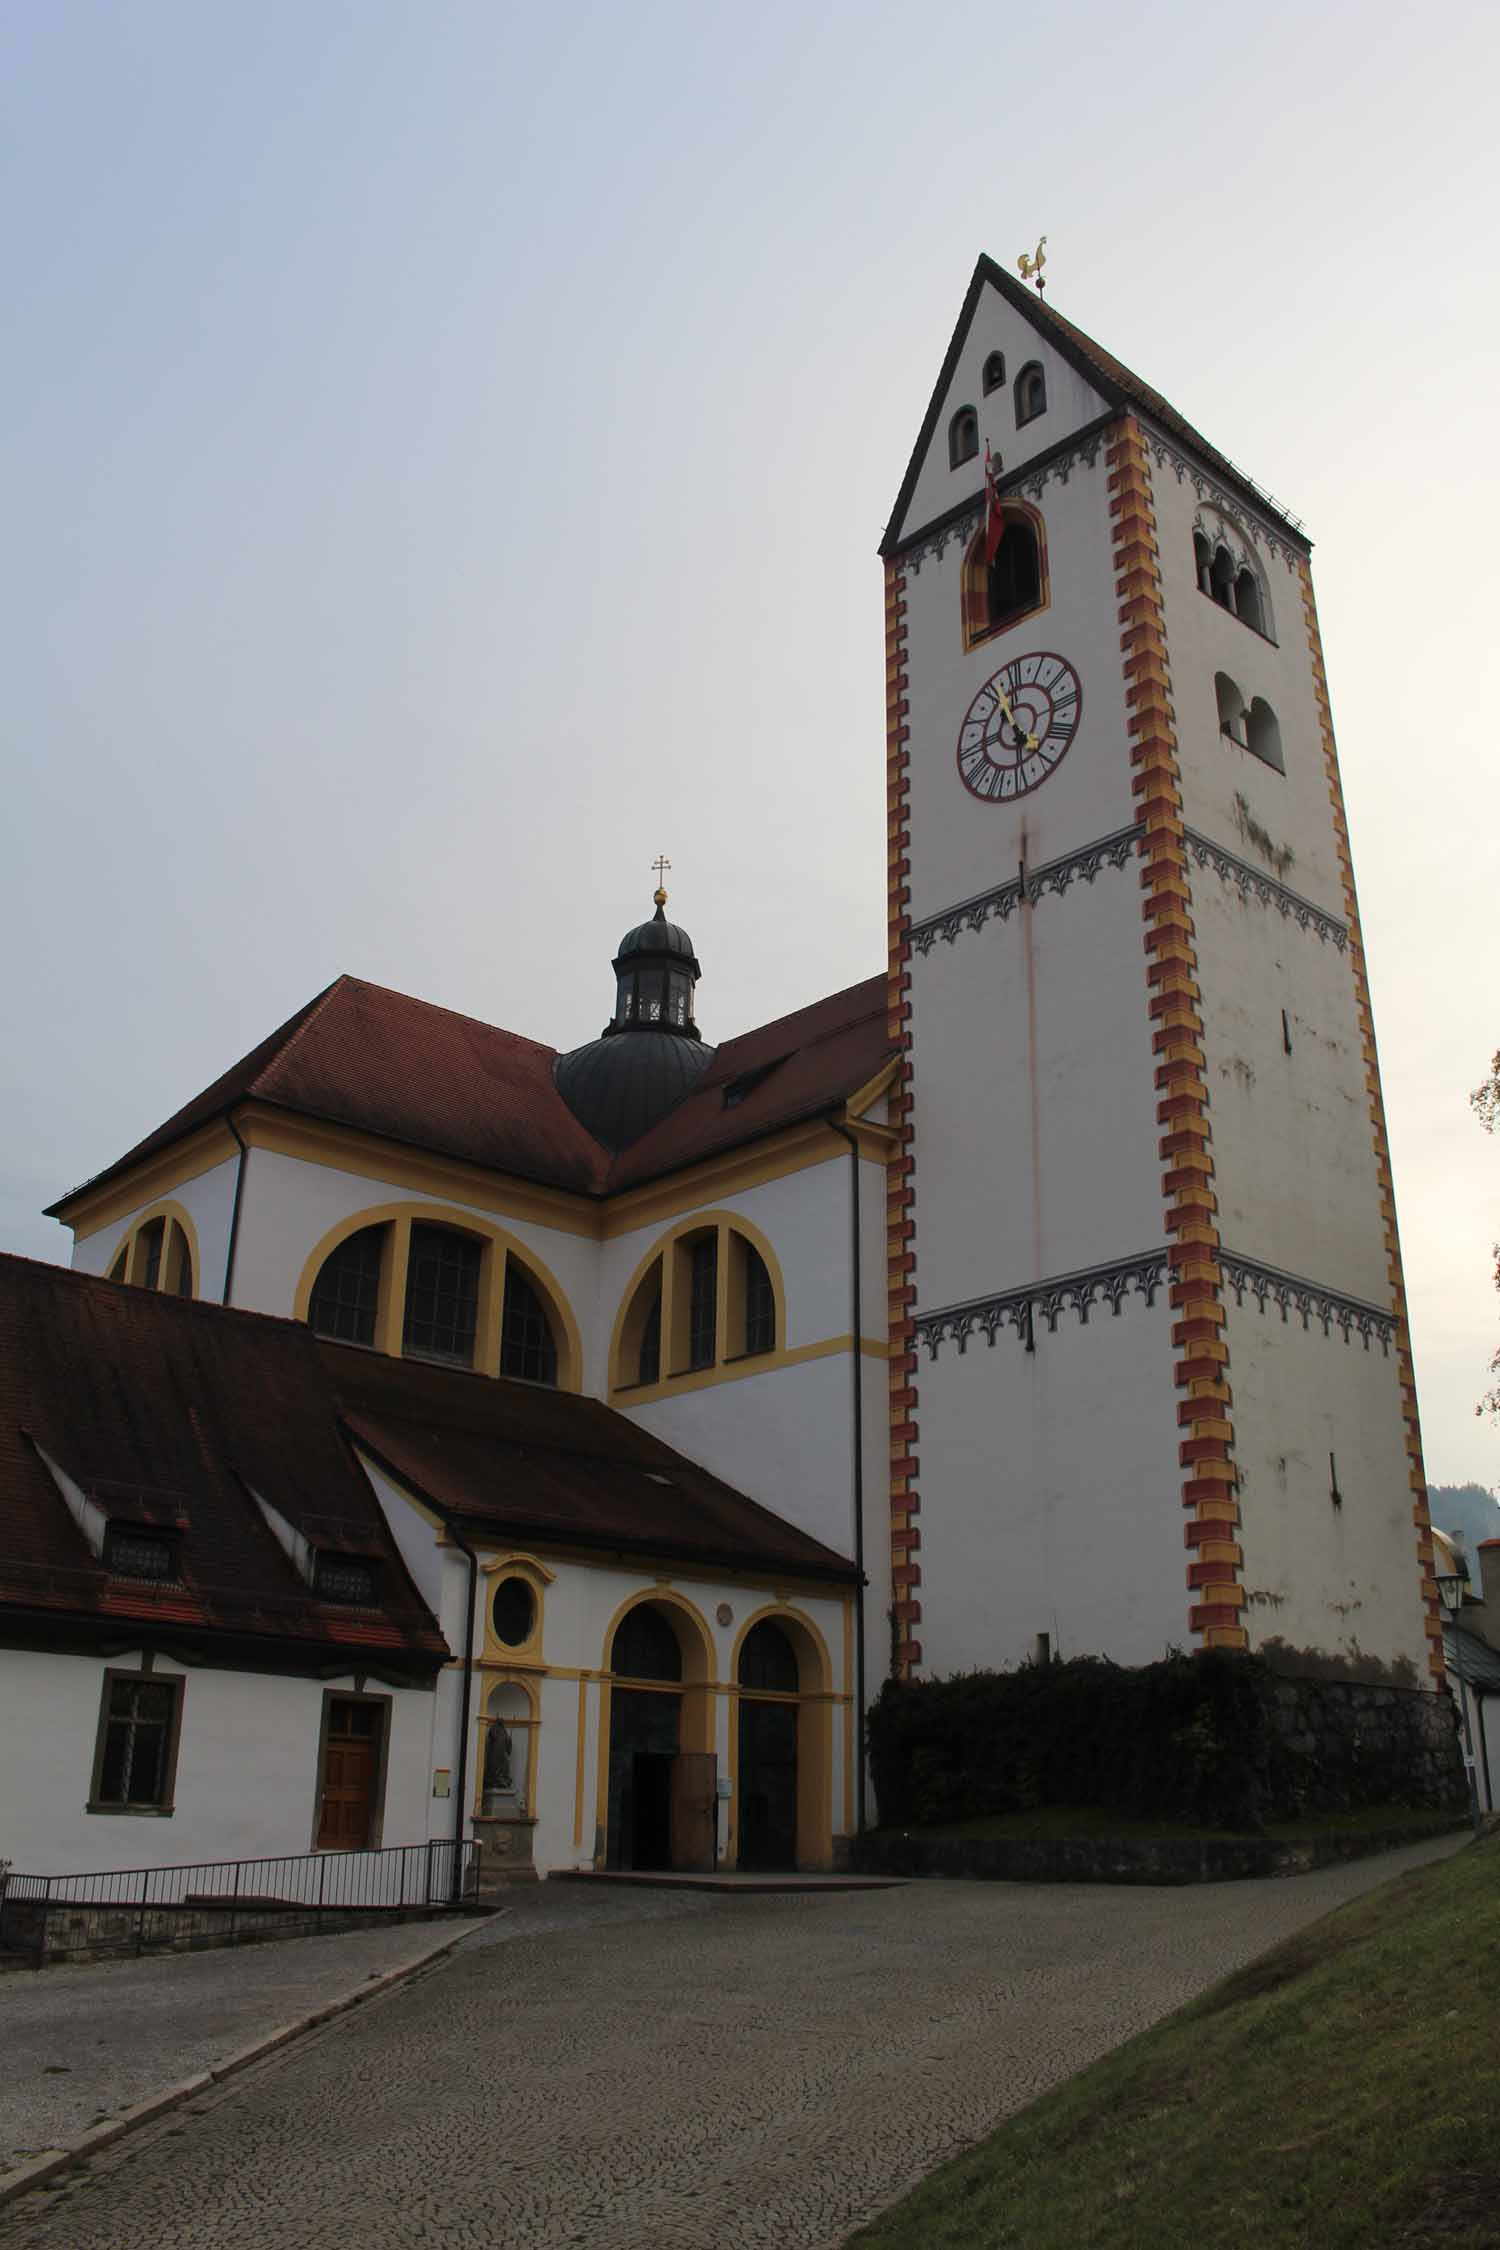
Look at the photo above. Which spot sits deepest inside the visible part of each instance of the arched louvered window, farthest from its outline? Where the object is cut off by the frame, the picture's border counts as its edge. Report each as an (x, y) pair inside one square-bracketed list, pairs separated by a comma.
[(1031, 393), (528, 1348), (994, 373), (963, 437), (1232, 711)]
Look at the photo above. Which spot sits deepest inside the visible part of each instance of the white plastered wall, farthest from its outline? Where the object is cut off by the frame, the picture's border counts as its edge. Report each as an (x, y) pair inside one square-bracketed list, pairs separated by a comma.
[(1332, 1580), (209, 1203), (1051, 1494), (961, 846), (1293, 1143), (1072, 402), (579, 1605), (247, 1776)]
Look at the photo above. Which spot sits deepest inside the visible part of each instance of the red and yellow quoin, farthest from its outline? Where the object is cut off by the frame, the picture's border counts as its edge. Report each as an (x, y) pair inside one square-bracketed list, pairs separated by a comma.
[(1201, 1366), (906, 1536)]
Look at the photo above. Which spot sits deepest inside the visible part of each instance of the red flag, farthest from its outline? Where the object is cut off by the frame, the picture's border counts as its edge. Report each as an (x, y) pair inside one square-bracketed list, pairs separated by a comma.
[(994, 513)]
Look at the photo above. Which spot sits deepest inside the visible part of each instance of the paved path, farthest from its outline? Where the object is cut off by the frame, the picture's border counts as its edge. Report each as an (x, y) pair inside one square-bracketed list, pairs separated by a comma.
[(644, 2070), (79, 2045)]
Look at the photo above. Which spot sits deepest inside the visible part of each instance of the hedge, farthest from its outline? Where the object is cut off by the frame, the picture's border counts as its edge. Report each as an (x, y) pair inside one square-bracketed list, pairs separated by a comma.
[(1206, 1739)]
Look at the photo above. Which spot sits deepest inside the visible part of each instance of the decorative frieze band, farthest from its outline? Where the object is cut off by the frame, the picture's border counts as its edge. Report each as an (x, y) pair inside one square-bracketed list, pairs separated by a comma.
[(1054, 875), (1141, 1276), (1290, 1293), (1253, 882), (1056, 469), (1167, 456)]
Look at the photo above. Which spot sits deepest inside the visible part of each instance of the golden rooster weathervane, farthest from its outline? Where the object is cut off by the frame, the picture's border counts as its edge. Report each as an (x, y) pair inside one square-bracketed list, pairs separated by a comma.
[(1030, 269)]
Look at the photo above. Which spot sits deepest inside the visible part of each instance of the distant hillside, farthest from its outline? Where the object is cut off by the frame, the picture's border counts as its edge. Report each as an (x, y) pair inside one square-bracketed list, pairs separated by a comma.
[(1468, 1512)]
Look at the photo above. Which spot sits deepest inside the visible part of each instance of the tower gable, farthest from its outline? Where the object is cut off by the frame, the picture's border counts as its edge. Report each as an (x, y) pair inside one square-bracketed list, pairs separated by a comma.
[(998, 317)]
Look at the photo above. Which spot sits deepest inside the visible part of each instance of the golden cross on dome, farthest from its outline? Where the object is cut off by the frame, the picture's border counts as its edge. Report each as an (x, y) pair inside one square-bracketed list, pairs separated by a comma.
[(661, 865)]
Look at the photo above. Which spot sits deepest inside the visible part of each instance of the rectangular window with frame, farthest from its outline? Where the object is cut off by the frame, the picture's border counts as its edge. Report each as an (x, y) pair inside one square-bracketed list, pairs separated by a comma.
[(135, 1758)]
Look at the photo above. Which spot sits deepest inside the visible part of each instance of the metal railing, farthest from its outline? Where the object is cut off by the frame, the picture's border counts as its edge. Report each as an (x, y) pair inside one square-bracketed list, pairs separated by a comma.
[(228, 1902)]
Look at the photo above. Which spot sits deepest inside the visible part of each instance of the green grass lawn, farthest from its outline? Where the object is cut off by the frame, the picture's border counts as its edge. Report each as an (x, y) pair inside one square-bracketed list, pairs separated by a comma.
[(1055, 1822), (1342, 2091)]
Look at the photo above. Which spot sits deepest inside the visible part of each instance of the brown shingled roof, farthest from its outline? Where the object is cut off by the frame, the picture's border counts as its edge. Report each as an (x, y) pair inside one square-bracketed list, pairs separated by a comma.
[(555, 1467), (797, 1067), (173, 1413), (428, 1078)]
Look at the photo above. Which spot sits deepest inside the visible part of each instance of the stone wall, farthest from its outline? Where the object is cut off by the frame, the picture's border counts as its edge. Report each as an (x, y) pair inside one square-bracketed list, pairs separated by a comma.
[(1339, 1745)]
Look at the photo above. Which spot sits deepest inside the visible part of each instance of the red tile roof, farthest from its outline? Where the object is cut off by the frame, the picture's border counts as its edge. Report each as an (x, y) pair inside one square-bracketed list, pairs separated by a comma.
[(362, 1056), (556, 1468), (811, 1061), (173, 1413)]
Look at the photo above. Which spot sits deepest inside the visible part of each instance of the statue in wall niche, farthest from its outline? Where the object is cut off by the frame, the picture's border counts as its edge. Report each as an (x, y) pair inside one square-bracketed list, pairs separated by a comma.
[(498, 1781)]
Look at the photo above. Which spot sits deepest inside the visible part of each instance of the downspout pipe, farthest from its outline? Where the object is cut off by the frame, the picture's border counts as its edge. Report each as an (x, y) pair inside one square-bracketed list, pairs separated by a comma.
[(460, 1811), (234, 1216), (856, 1330)]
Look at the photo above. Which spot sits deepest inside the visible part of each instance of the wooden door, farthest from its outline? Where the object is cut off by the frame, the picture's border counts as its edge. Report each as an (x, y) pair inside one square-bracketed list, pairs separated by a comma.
[(351, 1750), (695, 1784)]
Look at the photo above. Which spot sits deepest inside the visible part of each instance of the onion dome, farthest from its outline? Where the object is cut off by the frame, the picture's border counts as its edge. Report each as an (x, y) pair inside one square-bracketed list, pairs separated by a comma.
[(649, 1055)]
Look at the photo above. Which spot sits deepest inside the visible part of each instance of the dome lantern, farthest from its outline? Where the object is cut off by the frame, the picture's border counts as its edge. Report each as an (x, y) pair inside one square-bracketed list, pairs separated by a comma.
[(649, 1055)]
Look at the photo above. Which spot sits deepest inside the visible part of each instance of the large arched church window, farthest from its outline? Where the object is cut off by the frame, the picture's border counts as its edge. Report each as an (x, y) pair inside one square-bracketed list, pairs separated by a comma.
[(157, 1254), (528, 1348), (346, 1294), (708, 1300), (442, 1295), (646, 1646), (998, 594)]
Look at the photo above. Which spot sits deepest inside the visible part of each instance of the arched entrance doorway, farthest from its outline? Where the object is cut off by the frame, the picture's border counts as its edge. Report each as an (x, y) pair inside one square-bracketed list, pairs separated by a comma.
[(661, 1781), (782, 1743), (769, 1681)]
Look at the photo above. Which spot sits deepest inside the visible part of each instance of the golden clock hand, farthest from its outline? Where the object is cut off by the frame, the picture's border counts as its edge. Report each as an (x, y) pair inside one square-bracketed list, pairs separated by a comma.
[(1031, 741)]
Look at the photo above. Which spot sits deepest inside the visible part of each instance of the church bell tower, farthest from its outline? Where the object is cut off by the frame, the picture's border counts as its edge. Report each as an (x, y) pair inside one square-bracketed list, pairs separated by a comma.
[(1151, 1384)]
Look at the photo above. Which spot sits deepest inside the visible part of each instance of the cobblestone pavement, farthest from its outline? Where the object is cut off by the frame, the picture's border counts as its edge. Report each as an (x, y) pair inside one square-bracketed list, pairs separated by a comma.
[(669, 2071), (82, 2044)]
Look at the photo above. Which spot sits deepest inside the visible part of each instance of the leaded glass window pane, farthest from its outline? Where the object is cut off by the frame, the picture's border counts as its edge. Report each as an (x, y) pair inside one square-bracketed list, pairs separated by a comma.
[(133, 1553), (646, 1647), (137, 1736), (760, 1304), (528, 1348), (768, 1660), (347, 1291), (703, 1302), (649, 1370), (151, 1240), (442, 1295), (344, 1578)]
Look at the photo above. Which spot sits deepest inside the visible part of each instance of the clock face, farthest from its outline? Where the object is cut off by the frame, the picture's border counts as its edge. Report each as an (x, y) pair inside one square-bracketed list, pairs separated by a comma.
[(1018, 726)]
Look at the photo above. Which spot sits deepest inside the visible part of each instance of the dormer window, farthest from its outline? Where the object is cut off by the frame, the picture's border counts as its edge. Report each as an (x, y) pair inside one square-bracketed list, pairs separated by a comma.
[(133, 1550), (1031, 393), (994, 373), (345, 1578), (963, 437)]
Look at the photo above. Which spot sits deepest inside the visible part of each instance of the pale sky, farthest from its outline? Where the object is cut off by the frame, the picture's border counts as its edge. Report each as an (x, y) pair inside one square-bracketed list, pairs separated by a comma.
[(445, 445)]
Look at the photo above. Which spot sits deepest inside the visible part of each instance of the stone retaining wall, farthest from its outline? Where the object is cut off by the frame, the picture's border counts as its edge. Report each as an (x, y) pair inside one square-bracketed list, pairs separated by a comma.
[(1082, 1859)]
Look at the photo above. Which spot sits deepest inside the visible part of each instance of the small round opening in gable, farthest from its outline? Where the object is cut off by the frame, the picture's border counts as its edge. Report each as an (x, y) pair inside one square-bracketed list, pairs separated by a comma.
[(513, 1612)]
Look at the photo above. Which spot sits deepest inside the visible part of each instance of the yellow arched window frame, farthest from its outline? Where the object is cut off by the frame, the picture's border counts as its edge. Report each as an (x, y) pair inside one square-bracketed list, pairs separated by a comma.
[(159, 1250), (498, 1248), (978, 624), (665, 1302)]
